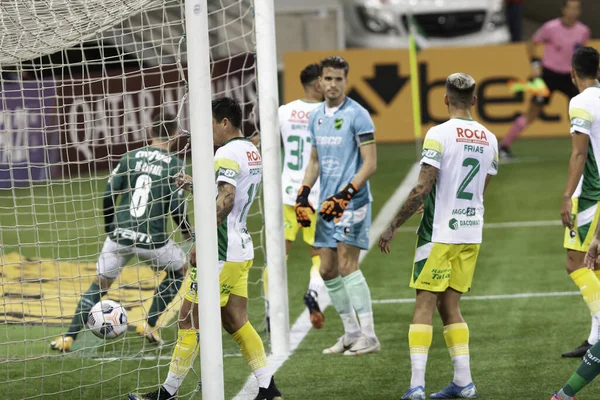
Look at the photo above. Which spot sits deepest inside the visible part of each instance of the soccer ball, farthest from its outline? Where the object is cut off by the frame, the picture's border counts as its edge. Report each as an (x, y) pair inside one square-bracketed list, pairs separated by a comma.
[(107, 319)]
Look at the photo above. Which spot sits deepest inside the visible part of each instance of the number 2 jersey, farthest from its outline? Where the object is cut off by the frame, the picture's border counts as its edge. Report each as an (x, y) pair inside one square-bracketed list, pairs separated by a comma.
[(293, 125), (148, 195), (238, 163), (465, 152)]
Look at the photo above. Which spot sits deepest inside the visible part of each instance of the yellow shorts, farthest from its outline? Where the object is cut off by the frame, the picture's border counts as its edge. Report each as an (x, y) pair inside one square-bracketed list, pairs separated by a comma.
[(438, 266), (233, 279), (291, 227), (585, 217)]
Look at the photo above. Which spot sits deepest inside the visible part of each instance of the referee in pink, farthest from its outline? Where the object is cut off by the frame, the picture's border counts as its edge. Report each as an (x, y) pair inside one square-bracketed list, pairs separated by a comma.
[(561, 37)]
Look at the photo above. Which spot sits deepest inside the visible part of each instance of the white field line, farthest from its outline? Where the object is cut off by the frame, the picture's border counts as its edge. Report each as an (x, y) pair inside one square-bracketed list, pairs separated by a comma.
[(490, 297), (502, 225), (302, 325), (146, 358)]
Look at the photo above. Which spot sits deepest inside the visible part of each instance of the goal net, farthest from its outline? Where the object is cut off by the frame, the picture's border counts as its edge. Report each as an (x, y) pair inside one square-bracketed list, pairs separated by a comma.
[(80, 83)]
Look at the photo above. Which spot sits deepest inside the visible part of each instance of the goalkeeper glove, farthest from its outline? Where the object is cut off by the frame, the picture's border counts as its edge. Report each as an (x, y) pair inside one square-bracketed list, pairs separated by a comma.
[(304, 208), (335, 205)]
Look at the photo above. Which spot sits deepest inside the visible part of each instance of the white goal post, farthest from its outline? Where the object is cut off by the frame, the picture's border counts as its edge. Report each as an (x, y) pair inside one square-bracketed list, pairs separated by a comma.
[(271, 153), (199, 77)]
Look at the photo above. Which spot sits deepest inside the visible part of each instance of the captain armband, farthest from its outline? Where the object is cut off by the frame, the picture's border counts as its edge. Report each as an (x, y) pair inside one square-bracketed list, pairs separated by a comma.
[(366, 138)]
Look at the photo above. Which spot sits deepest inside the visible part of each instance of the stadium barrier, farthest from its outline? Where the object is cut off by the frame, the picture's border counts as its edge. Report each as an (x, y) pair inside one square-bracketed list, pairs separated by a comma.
[(379, 80), (71, 127)]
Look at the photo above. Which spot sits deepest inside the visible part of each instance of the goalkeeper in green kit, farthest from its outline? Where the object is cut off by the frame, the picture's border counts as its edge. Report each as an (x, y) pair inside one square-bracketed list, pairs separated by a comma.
[(143, 180)]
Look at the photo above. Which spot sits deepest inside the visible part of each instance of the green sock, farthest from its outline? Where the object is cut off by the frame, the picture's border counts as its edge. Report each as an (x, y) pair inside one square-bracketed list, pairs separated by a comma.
[(165, 292), (339, 295), (359, 292), (360, 295), (343, 305), (587, 371), (88, 300)]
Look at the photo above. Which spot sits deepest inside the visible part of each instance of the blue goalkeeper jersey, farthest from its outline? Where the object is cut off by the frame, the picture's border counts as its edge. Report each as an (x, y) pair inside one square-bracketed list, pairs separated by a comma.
[(337, 140)]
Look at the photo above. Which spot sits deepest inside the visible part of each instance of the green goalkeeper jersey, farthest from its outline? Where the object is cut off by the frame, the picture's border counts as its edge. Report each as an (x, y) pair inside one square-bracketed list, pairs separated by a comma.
[(144, 182)]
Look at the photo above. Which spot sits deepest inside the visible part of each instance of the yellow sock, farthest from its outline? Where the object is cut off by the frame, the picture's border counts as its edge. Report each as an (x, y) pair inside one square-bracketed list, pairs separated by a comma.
[(420, 338), (251, 346), (185, 351), (419, 342), (316, 266), (266, 281), (589, 285), (457, 340)]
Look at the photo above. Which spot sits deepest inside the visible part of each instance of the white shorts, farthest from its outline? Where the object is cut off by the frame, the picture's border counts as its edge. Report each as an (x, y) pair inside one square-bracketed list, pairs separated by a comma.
[(114, 257)]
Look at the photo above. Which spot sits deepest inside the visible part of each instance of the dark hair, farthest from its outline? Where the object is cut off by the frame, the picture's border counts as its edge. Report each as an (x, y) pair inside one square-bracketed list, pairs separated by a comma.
[(164, 125), (460, 89), (335, 62), (566, 2), (310, 74), (586, 62), (227, 107)]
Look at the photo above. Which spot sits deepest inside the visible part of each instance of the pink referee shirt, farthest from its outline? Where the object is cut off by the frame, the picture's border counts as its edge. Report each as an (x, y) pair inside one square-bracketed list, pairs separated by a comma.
[(560, 43)]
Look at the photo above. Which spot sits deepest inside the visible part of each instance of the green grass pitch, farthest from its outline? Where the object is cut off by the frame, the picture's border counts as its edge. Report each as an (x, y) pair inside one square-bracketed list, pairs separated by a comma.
[(515, 342)]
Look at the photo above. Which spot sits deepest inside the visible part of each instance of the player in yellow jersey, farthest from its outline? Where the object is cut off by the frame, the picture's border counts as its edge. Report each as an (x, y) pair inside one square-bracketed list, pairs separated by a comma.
[(459, 158), (297, 145), (238, 170)]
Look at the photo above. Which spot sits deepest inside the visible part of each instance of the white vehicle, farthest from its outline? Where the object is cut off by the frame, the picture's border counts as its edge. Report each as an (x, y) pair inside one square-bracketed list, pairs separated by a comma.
[(385, 23)]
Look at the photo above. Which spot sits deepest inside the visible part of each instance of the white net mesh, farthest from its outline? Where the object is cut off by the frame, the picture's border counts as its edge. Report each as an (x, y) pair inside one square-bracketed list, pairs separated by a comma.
[(80, 84)]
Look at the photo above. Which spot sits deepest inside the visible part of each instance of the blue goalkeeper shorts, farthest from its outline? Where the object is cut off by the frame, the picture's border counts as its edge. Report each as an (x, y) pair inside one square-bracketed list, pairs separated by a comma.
[(352, 229)]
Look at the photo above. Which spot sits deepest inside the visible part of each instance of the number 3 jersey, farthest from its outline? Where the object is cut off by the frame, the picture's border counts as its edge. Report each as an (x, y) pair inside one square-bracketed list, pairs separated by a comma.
[(465, 152), (293, 125), (238, 163), (144, 181)]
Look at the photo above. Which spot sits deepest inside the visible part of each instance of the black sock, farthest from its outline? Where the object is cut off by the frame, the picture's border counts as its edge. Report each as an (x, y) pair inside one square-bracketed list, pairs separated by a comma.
[(165, 292), (87, 301)]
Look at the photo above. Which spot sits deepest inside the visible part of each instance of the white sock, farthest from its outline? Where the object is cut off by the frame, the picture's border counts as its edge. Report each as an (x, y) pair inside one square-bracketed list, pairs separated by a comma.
[(263, 376), (562, 395), (418, 363), (367, 324), (351, 327), (462, 370), (173, 382), (595, 332), (316, 282), (267, 312)]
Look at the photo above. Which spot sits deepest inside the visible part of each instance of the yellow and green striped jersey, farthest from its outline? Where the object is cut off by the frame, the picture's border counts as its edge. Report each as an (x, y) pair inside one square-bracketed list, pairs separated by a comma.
[(584, 112), (238, 163)]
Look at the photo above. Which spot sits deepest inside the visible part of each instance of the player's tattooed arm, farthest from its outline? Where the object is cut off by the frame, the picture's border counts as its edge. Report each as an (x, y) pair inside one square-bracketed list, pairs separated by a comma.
[(417, 196), (415, 200), (225, 201)]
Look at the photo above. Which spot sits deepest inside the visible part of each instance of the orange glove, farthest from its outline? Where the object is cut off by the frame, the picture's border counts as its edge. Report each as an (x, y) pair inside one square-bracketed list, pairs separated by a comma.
[(304, 208), (335, 205)]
